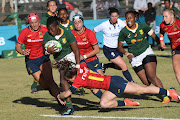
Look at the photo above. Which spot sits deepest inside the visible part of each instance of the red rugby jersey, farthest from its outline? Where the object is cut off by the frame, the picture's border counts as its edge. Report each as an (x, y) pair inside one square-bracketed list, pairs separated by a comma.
[(172, 32), (89, 79), (33, 40), (85, 42)]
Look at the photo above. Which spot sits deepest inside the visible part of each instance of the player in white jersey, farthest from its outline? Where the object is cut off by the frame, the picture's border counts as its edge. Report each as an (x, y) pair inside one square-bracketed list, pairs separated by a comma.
[(111, 29)]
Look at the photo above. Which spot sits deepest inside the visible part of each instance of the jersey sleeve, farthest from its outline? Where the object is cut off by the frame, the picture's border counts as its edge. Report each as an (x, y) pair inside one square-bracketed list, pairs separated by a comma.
[(45, 38), (43, 20), (70, 36), (72, 89), (121, 36), (92, 38), (22, 36), (145, 28), (99, 28)]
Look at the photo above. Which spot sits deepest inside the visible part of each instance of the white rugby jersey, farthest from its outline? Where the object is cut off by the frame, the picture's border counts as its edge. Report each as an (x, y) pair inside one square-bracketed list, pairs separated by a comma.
[(110, 32)]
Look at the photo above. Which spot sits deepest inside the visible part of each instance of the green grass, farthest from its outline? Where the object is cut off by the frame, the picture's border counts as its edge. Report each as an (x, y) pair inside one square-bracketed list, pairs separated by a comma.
[(17, 102)]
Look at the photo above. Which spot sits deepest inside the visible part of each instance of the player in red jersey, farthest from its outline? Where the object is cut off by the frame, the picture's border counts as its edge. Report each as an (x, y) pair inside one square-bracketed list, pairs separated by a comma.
[(37, 64), (171, 25), (88, 47), (114, 86)]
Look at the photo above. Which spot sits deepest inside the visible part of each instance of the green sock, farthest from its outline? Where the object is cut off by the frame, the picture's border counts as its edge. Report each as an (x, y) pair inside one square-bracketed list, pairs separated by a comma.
[(81, 89), (69, 104), (34, 83)]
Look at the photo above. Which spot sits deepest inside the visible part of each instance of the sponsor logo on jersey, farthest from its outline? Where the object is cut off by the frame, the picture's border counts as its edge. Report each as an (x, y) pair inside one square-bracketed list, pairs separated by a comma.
[(141, 32), (129, 36), (64, 41), (71, 27), (135, 35), (165, 28), (82, 43), (84, 38), (40, 35), (29, 35)]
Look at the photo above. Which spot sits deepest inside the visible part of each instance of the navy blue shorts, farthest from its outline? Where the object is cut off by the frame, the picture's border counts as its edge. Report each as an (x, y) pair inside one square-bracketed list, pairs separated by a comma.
[(94, 65), (174, 52), (111, 53), (117, 85), (33, 65)]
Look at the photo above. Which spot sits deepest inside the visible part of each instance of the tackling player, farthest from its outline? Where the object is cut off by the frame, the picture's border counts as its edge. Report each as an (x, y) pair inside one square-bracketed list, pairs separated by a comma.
[(114, 86), (37, 64), (171, 25)]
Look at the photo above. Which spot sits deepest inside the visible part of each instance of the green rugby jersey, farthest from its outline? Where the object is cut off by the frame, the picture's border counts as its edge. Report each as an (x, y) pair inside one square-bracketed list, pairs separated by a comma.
[(45, 17), (66, 39), (137, 42), (69, 27)]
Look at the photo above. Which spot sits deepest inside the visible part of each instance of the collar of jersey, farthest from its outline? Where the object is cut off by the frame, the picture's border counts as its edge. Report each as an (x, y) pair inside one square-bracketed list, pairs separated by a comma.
[(32, 30), (130, 29), (111, 22), (66, 23), (49, 13), (62, 31)]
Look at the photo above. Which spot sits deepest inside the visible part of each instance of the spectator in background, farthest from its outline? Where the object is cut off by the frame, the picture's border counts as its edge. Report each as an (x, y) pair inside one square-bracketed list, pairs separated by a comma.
[(64, 4), (75, 12), (154, 2), (4, 4), (169, 5), (140, 6), (150, 16), (101, 8), (113, 4)]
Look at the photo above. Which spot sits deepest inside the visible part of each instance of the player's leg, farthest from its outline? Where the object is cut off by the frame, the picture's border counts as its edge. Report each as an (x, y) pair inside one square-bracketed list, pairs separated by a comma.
[(119, 61), (65, 86), (133, 88), (176, 66), (141, 74)]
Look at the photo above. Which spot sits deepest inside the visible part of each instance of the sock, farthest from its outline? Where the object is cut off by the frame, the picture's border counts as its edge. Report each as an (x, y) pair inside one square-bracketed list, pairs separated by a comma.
[(121, 103), (127, 75), (163, 91), (99, 94), (81, 89), (69, 104), (35, 82)]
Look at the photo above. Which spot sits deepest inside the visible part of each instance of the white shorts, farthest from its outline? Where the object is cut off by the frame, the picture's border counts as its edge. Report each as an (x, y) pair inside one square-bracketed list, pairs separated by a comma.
[(137, 61), (69, 57)]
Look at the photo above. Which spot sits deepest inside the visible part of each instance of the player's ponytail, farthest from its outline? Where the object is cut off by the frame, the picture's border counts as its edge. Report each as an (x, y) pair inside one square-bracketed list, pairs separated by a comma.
[(68, 67)]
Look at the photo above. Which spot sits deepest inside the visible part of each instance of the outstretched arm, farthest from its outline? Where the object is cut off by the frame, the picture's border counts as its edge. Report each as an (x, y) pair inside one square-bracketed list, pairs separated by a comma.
[(63, 95)]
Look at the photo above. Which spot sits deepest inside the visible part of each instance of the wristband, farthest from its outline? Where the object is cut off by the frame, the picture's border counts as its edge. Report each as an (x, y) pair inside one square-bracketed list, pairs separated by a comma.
[(84, 56), (77, 66), (161, 38)]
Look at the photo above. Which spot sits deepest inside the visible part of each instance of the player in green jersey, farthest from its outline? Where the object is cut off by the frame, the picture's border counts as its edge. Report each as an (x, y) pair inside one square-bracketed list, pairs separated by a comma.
[(64, 19), (140, 54), (70, 52)]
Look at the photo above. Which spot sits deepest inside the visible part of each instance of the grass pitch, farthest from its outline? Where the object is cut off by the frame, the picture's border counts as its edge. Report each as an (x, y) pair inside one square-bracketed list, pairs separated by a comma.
[(17, 102)]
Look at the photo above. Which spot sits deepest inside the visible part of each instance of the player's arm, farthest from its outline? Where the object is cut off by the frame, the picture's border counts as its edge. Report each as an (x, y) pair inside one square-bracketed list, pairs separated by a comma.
[(92, 53), (75, 49), (65, 94), (122, 50), (162, 44)]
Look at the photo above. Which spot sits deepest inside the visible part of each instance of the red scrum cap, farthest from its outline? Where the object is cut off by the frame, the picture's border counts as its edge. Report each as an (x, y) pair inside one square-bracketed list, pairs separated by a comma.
[(32, 16)]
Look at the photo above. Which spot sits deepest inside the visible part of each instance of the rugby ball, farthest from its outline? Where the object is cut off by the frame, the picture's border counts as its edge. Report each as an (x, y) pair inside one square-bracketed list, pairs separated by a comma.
[(55, 43)]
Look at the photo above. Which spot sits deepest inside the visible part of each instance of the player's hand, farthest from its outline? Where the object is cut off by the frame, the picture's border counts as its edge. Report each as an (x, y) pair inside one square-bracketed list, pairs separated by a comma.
[(26, 52), (61, 101), (51, 49), (130, 56), (161, 46)]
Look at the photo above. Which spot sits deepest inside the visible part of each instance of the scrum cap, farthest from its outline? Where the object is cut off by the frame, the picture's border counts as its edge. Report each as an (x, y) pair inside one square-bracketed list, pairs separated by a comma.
[(77, 17), (32, 16)]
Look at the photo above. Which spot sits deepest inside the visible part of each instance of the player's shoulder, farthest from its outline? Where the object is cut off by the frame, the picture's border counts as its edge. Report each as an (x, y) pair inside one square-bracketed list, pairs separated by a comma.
[(73, 31), (43, 29)]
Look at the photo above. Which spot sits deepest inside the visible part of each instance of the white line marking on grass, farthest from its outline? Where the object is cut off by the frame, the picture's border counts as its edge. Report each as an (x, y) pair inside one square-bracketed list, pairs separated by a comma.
[(110, 117)]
